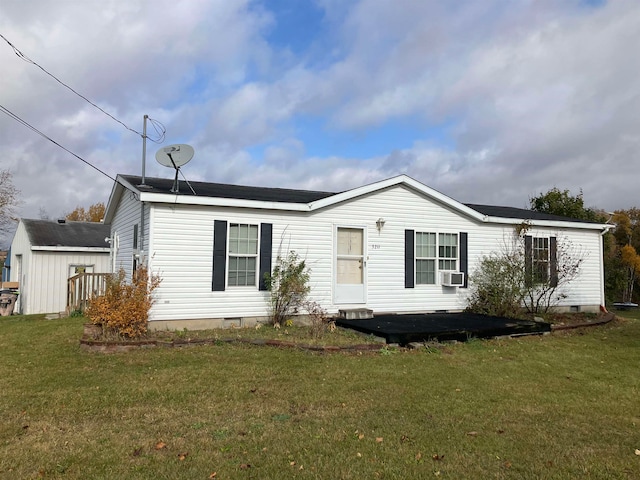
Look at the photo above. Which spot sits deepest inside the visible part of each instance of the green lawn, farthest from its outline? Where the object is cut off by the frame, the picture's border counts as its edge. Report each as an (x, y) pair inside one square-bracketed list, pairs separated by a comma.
[(558, 406)]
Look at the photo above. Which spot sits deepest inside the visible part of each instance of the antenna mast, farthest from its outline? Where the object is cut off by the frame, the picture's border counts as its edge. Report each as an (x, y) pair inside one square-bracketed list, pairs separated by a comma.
[(144, 148)]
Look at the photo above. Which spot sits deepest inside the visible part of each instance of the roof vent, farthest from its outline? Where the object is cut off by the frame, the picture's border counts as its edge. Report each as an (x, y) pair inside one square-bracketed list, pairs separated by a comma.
[(62, 220)]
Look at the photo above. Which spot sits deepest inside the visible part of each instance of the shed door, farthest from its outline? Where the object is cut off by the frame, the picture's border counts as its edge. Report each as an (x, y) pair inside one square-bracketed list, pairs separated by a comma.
[(350, 266)]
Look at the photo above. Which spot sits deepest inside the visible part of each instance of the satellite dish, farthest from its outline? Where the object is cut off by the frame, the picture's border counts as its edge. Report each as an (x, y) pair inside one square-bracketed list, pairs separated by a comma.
[(175, 156)]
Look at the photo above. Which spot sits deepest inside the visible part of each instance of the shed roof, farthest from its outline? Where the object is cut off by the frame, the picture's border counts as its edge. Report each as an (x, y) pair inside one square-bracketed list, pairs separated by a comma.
[(48, 233)]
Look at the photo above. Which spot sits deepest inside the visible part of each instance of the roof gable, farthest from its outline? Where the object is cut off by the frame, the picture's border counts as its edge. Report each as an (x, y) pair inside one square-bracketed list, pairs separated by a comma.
[(47, 233)]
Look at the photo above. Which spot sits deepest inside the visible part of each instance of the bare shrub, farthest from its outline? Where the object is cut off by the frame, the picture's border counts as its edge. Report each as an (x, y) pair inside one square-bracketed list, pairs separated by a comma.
[(321, 322)]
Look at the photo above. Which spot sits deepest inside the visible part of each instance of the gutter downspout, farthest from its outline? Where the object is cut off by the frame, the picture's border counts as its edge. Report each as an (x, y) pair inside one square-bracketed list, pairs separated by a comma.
[(603, 302)]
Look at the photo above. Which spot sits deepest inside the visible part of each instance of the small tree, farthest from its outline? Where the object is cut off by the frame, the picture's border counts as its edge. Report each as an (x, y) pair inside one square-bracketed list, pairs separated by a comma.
[(288, 285), (124, 307), (631, 262)]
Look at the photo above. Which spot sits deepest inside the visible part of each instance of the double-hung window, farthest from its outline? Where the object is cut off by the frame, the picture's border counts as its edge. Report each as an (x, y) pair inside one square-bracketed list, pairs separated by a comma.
[(435, 252), (243, 254), (540, 260), (425, 258), (448, 251)]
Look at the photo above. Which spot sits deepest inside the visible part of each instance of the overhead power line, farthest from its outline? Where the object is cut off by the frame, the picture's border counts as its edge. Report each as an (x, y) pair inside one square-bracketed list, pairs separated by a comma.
[(158, 127), (9, 113)]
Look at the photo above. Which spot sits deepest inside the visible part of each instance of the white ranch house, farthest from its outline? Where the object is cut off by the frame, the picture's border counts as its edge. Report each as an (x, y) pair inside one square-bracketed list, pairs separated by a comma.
[(391, 246)]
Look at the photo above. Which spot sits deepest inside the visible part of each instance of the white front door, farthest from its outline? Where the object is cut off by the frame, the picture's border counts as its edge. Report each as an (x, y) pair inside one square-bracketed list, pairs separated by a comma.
[(350, 266)]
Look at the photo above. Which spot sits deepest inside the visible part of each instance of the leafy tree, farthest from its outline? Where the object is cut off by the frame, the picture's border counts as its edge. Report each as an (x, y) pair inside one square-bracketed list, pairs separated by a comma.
[(621, 257), (95, 213), (561, 202), (9, 201)]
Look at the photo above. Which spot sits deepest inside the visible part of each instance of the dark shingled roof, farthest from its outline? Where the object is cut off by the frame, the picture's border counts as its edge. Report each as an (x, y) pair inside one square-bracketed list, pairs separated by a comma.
[(48, 233), (511, 212), (223, 190), (286, 195)]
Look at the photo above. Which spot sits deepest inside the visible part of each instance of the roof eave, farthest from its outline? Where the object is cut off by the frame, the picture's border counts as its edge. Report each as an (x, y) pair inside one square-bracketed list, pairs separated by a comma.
[(545, 223), (60, 248), (221, 202)]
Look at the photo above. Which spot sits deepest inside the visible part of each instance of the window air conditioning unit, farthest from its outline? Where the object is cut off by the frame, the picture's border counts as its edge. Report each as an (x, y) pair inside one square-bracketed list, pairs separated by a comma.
[(452, 279)]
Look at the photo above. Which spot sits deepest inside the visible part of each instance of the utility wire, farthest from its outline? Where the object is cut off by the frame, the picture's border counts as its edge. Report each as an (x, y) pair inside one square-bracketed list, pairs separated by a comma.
[(159, 128), (9, 113)]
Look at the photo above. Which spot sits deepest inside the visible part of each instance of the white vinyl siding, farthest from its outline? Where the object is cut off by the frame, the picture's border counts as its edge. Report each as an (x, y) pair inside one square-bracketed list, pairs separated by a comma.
[(181, 249), (126, 231)]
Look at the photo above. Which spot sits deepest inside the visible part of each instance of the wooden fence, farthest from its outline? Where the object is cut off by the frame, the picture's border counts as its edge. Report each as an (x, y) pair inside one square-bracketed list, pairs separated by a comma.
[(82, 287)]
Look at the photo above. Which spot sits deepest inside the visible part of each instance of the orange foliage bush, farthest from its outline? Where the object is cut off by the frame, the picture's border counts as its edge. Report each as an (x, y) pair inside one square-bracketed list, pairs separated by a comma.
[(124, 307)]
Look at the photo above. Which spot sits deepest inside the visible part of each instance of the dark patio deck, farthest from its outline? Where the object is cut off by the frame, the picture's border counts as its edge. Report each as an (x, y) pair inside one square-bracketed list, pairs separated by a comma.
[(404, 329)]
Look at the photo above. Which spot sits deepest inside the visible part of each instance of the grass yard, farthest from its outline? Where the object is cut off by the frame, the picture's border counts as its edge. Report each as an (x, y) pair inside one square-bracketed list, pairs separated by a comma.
[(562, 406)]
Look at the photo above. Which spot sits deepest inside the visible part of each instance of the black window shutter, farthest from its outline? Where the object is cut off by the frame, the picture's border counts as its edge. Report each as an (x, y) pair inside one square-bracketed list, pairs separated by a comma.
[(409, 259), (219, 255), (553, 261), (528, 260), (266, 234), (464, 258)]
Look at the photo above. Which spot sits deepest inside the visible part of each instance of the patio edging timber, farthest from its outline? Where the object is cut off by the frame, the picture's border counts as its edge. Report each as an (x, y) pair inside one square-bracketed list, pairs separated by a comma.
[(610, 316), (110, 346)]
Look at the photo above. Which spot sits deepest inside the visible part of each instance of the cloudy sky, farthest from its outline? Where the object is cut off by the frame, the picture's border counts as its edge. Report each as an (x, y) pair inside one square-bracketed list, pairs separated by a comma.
[(487, 101)]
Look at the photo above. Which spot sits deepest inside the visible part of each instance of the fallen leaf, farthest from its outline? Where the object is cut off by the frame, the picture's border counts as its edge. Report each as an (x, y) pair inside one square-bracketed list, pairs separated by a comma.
[(213, 475), (437, 474), (437, 457), (244, 466), (137, 452), (160, 445), (182, 456), (361, 436), (500, 431), (507, 464), (378, 439), (292, 463), (472, 434), (418, 456)]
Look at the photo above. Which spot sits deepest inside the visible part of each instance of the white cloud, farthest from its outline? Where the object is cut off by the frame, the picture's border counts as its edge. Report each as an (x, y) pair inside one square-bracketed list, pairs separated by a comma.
[(533, 95)]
